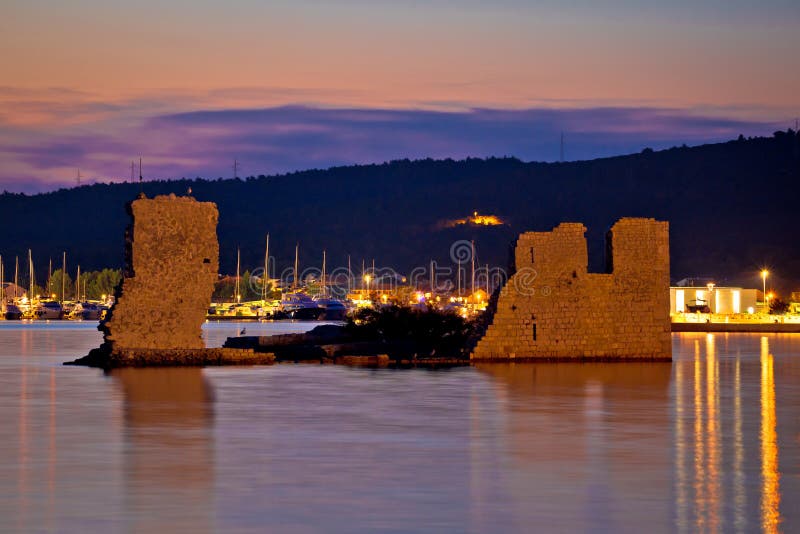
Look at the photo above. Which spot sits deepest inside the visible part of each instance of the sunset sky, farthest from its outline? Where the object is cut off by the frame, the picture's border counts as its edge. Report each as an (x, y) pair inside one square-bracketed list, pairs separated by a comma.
[(288, 85)]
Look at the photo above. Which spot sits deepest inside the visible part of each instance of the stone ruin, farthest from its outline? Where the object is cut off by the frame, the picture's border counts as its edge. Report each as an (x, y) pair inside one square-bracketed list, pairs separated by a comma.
[(172, 260), (553, 308), (172, 264)]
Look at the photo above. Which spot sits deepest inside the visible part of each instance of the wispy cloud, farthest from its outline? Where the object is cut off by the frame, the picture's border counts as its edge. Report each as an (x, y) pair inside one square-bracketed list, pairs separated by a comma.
[(102, 138)]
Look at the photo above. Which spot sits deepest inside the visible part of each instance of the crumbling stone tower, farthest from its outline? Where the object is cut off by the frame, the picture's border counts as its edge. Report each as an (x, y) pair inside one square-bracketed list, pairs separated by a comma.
[(552, 307), (172, 261)]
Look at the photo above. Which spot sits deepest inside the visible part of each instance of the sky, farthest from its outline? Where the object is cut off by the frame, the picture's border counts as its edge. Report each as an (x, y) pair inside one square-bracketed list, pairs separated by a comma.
[(287, 85)]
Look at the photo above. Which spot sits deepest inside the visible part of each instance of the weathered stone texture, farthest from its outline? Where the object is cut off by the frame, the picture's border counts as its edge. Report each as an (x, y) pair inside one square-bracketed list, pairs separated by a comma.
[(173, 259), (552, 307)]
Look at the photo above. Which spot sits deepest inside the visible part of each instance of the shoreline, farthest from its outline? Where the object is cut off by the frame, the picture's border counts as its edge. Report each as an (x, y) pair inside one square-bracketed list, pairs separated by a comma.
[(743, 328)]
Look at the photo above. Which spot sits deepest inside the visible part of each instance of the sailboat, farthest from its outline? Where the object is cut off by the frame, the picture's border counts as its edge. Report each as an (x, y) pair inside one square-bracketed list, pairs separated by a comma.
[(268, 307), (332, 308), (297, 300), (240, 309), (10, 310)]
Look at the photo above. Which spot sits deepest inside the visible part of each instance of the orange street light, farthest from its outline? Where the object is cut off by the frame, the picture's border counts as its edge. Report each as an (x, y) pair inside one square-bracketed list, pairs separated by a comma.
[(764, 274)]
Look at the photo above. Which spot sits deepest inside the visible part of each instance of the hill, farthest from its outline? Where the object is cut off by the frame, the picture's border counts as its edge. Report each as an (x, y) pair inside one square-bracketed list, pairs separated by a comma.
[(732, 208)]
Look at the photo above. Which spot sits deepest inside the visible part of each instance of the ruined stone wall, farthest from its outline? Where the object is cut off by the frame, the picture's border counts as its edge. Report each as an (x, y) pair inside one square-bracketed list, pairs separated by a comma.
[(552, 307), (173, 259)]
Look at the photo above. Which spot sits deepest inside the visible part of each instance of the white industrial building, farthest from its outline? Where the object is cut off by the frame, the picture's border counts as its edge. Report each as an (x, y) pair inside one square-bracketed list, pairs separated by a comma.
[(712, 299)]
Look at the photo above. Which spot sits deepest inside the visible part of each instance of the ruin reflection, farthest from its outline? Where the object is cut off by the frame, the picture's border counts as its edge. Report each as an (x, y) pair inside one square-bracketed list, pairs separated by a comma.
[(594, 426), (168, 448)]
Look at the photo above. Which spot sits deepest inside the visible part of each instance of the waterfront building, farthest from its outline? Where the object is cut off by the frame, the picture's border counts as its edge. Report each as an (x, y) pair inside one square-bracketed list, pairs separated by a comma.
[(712, 299)]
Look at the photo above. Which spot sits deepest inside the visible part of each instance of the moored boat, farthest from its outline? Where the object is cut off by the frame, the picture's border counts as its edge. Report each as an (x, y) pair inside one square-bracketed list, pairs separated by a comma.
[(332, 309), (49, 310), (12, 312), (87, 311)]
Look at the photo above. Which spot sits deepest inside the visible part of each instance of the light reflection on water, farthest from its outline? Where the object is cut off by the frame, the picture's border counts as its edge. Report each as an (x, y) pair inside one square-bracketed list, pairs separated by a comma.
[(707, 443)]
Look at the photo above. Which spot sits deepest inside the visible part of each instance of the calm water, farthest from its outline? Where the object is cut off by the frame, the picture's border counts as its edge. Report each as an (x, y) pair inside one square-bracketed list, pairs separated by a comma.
[(708, 443)]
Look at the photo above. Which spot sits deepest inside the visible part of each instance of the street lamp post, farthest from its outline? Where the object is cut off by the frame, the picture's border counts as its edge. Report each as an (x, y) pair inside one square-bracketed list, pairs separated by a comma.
[(764, 274)]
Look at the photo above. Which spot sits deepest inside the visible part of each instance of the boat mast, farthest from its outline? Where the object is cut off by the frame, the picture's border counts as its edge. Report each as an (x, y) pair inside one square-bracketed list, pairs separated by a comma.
[(472, 284), (30, 276), (50, 278), (296, 264), (324, 287), (16, 275), (349, 276), (64, 278), (432, 281), (238, 264), (266, 273), (458, 277)]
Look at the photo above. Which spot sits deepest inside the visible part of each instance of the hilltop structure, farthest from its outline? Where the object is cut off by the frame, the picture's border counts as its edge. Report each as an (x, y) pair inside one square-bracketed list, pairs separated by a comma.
[(553, 308)]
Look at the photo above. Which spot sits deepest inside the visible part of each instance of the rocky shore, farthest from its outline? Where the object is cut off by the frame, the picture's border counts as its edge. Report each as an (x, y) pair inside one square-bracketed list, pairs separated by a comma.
[(331, 344), (105, 358)]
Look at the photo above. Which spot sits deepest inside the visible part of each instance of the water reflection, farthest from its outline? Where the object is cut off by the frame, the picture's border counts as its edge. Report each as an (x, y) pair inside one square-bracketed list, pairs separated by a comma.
[(740, 496), (24, 450), (770, 493), (708, 397), (589, 430), (168, 448), (709, 443)]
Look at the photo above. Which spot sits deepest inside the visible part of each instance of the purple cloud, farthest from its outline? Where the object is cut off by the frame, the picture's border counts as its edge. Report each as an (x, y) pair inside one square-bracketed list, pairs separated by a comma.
[(289, 138)]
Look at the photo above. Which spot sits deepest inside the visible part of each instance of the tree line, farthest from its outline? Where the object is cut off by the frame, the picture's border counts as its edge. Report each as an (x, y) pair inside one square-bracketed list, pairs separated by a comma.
[(94, 285)]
